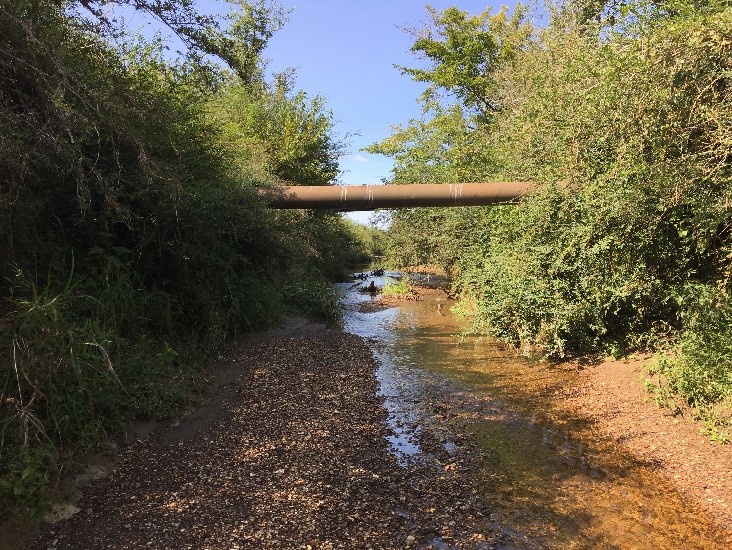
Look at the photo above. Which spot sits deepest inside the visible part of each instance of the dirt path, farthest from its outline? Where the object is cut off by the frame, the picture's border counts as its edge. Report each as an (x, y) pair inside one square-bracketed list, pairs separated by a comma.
[(290, 452)]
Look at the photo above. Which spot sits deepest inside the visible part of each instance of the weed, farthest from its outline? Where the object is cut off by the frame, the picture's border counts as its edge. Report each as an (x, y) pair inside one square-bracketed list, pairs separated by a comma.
[(24, 478), (312, 298), (400, 288)]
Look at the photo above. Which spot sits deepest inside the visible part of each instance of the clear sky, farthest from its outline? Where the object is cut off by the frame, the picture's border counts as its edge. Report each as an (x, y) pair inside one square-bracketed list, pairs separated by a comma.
[(345, 51)]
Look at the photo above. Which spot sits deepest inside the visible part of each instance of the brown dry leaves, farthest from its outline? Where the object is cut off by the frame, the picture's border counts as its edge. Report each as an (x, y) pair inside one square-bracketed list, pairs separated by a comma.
[(292, 453)]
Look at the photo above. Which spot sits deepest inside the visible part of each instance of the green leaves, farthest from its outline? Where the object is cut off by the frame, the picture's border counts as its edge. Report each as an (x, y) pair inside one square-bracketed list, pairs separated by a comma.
[(127, 207), (238, 39), (465, 52), (276, 135), (633, 113), (451, 142)]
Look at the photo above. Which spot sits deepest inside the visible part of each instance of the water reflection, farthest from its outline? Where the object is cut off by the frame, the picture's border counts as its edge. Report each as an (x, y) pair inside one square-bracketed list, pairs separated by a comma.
[(398, 377), (552, 481)]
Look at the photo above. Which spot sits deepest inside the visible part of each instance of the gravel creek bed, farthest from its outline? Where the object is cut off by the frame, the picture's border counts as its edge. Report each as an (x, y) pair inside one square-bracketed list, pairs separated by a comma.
[(290, 451)]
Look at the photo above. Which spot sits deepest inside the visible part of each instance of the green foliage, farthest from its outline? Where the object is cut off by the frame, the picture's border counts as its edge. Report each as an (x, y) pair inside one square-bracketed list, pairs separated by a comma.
[(371, 241), (441, 147), (637, 133), (620, 112), (134, 241), (400, 288), (312, 298), (246, 36), (450, 142), (280, 136), (24, 478), (699, 369), (465, 52), (238, 39)]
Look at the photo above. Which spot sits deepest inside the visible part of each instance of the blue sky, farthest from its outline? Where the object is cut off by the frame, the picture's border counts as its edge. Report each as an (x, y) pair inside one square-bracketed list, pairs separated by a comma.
[(346, 51)]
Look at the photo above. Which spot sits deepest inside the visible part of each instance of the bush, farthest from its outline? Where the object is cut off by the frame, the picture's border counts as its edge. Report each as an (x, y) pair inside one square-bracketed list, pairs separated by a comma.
[(313, 298), (621, 115), (698, 371), (134, 242), (637, 126), (400, 288)]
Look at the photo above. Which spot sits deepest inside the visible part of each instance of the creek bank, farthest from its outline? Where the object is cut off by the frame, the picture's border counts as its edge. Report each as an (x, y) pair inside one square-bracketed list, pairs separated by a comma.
[(612, 395), (290, 451), (609, 454)]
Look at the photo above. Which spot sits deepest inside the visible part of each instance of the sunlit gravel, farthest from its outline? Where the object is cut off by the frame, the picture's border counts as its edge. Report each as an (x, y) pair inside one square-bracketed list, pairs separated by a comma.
[(292, 452)]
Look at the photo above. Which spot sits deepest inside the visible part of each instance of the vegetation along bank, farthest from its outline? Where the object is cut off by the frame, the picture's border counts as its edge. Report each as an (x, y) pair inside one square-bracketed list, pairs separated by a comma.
[(131, 238), (631, 105), (134, 243)]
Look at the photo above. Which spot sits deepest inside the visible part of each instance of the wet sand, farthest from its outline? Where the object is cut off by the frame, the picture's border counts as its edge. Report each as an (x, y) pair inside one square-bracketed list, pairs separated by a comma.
[(612, 395)]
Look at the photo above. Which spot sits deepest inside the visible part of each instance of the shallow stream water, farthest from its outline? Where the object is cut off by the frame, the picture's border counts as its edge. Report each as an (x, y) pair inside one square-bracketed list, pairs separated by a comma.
[(552, 481)]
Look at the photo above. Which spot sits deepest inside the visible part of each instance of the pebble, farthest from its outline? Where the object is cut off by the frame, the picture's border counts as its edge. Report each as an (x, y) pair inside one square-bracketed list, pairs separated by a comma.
[(293, 458)]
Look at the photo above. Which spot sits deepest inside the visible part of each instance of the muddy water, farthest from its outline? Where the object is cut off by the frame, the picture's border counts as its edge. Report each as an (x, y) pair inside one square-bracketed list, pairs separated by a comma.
[(551, 480)]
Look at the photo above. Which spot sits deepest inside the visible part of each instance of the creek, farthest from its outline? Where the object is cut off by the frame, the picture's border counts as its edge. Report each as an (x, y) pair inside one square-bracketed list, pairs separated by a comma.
[(552, 481)]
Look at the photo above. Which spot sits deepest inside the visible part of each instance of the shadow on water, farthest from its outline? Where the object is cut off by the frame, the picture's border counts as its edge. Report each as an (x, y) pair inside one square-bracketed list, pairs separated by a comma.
[(551, 480)]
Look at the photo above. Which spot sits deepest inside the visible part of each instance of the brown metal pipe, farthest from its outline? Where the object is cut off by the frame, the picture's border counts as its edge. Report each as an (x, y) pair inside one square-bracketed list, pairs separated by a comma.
[(371, 197)]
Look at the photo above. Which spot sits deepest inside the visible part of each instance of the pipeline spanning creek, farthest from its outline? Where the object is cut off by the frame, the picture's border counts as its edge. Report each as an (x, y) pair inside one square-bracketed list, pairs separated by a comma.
[(551, 481)]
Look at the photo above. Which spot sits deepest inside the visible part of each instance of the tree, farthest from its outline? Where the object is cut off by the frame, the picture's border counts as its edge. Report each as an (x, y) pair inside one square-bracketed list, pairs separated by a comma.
[(238, 39), (451, 141), (464, 52), (132, 243)]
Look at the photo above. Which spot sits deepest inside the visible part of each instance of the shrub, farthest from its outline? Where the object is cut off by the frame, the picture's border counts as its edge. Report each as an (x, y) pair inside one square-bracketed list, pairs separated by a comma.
[(133, 243), (399, 288)]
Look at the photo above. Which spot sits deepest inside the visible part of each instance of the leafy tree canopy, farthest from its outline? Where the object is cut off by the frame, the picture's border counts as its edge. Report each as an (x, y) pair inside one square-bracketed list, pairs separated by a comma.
[(465, 51), (239, 38)]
